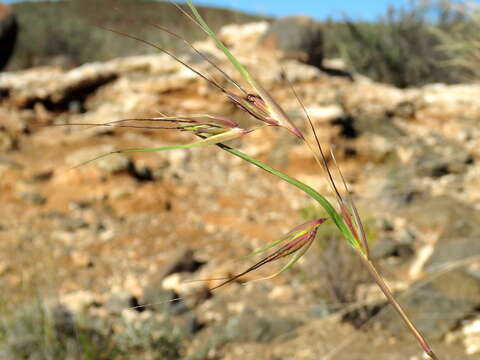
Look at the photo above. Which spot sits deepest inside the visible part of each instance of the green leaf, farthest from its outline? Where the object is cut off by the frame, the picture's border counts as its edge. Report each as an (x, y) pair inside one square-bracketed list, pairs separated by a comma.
[(216, 139), (334, 215), (211, 140), (241, 69)]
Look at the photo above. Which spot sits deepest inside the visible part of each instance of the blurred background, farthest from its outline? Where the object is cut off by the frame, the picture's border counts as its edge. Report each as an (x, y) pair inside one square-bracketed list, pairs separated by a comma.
[(93, 253), (429, 37)]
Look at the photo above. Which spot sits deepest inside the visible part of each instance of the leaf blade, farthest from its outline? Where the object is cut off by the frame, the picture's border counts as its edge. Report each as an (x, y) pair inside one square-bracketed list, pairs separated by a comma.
[(240, 68)]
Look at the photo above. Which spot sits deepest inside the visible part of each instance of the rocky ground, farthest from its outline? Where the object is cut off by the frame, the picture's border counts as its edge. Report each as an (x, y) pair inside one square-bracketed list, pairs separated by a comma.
[(81, 247)]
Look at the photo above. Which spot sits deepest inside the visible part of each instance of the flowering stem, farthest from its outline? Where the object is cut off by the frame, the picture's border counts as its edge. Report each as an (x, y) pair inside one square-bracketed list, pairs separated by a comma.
[(391, 299), (348, 235)]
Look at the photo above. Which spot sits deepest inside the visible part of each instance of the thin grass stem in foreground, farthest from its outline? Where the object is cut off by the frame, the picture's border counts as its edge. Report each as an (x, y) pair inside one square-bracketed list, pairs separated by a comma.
[(261, 106)]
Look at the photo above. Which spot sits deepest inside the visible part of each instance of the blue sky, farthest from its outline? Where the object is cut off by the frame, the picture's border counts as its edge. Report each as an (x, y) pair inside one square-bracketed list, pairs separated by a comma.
[(320, 9)]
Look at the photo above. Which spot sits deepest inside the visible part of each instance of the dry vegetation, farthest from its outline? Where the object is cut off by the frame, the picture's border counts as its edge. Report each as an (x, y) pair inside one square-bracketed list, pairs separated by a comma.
[(70, 33)]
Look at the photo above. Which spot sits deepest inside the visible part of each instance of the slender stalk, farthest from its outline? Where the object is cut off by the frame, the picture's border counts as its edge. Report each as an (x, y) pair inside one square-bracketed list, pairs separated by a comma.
[(391, 299)]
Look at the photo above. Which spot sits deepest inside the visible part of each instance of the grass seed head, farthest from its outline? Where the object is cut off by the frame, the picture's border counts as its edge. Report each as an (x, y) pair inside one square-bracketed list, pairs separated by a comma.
[(296, 243)]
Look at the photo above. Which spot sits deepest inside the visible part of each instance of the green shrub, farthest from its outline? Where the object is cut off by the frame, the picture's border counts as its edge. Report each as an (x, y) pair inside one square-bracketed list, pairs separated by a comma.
[(37, 331), (73, 30), (462, 43), (403, 47)]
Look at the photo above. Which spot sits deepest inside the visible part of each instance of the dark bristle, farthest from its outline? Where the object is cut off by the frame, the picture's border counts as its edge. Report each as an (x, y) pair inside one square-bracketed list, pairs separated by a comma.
[(198, 52), (176, 58)]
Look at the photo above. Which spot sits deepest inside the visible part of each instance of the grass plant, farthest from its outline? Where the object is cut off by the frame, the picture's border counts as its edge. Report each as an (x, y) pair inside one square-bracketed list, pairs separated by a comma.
[(462, 42), (37, 330), (258, 104)]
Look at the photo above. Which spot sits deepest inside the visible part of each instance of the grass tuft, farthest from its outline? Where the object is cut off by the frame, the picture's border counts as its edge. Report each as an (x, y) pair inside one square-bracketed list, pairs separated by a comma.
[(40, 331)]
